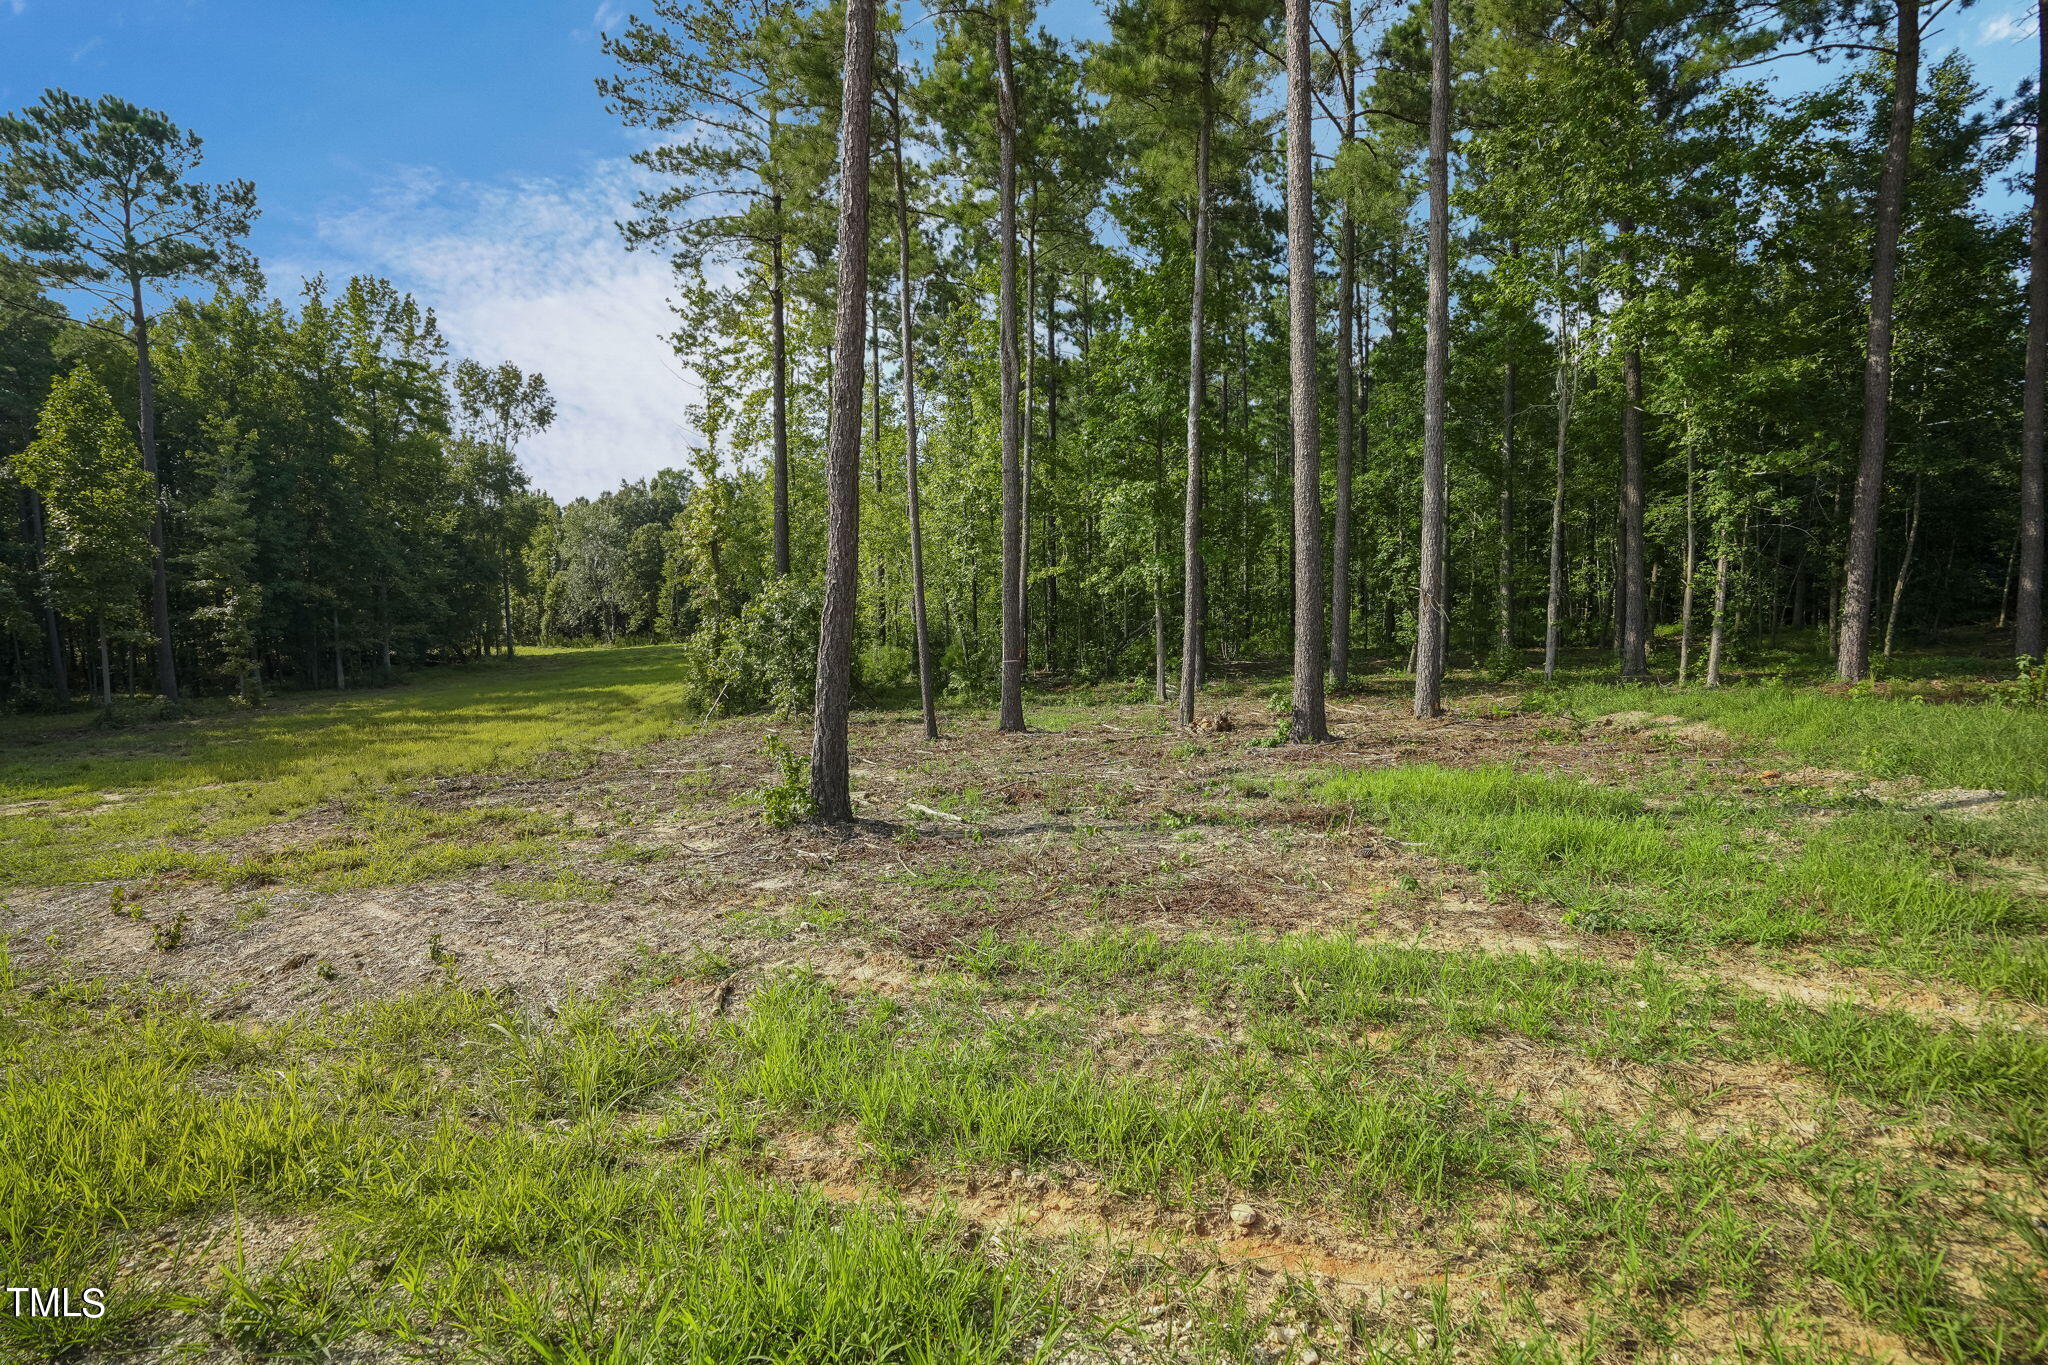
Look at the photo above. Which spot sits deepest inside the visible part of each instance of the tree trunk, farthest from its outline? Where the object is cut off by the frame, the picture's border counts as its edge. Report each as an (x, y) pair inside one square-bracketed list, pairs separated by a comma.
[(917, 612), (1347, 280), (1158, 573), (53, 629), (1691, 568), (2005, 594), (831, 796), (1307, 724), (1719, 630), (1430, 608), (1891, 620), (875, 405), (383, 631), (1010, 718), (1632, 596), (340, 674), (1192, 580), (1050, 634), (778, 398), (1504, 640), (2033, 550), (1852, 653), (505, 583), (1553, 608), (1027, 422), (159, 578), (106, 668)]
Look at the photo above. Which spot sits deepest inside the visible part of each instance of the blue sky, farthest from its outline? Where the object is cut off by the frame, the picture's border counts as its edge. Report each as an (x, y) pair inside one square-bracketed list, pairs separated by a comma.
[(459, 147)]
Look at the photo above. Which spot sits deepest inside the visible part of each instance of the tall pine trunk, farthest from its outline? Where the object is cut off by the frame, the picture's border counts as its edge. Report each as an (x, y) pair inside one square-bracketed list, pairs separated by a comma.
[(159, 578), (1553, 607), (778, 383), (1631, 592), (1691, 569), (1192, 578), (1891, 620), (1430, 607), (1347, 278), (1027, 422), (1010, 718), (831, 798), (1718, 632), (505, 587), (917, 611), (2033, 543), (1158, 568), (1852, 652), (53, 629), (1307, 724), (1504, 586)]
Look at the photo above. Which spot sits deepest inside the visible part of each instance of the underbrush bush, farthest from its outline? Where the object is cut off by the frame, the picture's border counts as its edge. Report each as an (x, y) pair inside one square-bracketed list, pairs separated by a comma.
[(2029, 689), (787, 800), (880, 667), (971, 675), (126, 711), (765, 659)]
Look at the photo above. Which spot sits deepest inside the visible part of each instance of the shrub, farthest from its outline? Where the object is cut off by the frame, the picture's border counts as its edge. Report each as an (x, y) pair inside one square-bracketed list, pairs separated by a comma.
[(786, 801), (763, 660)]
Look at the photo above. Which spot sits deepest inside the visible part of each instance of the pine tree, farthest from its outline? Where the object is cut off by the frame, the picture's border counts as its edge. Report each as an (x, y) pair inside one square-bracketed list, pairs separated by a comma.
[(96, 499)]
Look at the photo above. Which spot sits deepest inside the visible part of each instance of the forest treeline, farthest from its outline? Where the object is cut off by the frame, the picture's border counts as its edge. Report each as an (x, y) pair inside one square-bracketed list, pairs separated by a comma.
[(208, 488), (1328, 329)]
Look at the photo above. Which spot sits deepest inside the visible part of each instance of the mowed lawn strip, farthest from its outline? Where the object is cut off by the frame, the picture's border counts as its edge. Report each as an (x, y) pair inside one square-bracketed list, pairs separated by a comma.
[(100, 805)]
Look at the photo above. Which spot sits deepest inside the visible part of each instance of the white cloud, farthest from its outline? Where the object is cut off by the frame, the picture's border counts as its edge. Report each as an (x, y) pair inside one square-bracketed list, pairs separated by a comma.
[(534, 272), (17, 6), (2015, 25)]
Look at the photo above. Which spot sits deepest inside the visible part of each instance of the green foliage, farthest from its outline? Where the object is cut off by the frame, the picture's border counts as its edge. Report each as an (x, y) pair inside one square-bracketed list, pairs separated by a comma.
[(2029, 689), (763, 659), (97, 502), (787, 800)]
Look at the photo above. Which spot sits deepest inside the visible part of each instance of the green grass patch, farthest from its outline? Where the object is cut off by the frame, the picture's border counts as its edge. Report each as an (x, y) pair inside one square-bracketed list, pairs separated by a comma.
[(563, 886), (467, 1181), (1948, 744), (90, 805), (1876, 883)]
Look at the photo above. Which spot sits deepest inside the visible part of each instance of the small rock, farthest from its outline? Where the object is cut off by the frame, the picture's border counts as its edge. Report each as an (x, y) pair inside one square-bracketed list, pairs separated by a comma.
[(1311, 1356), (1244, 1215)]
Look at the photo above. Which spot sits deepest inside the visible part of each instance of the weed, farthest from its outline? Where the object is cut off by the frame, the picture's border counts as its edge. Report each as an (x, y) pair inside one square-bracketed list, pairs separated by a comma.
[(563, 886), (169, 937), (786, 801)]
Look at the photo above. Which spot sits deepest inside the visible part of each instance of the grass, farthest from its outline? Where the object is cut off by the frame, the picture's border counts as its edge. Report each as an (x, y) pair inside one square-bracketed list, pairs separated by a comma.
[(1953, 743), (581, 1188), (86, 805), (1592, 1157), (1880, 884), (466, 1178)]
